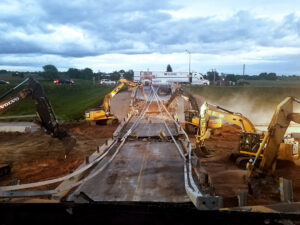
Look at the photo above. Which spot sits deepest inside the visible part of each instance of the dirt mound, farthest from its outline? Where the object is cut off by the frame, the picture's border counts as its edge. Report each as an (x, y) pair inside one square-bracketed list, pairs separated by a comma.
[(37, 156), (228, 132)]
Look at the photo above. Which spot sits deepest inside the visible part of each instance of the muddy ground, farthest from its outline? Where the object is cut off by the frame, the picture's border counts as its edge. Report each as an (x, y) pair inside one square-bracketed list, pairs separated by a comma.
[(37, 156)]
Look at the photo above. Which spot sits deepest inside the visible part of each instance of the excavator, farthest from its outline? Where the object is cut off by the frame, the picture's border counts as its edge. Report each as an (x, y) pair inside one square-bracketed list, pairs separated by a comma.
[(261, 170), (103, 113), (250, 139), (179, 92), (211, 116), (44, 112)]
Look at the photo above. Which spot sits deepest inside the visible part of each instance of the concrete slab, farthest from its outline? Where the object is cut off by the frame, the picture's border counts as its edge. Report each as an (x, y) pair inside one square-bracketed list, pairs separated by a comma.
[(151, 126), (142, 171), (22, 127)]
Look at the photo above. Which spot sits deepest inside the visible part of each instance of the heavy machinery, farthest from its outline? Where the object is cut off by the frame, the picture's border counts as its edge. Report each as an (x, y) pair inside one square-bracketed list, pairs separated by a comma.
[(273, 147), (250, 138), (103, 113), (219, 114), (44, 112), (212, 116), (179, 92)]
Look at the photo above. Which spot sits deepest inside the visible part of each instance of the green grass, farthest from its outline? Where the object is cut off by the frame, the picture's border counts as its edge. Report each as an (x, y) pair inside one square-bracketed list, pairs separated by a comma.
[(69, 101), (274, 83)]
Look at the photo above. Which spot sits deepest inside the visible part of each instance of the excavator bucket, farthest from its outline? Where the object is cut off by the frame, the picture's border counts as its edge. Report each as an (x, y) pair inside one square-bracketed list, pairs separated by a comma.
[(203, 152), (69, 142)]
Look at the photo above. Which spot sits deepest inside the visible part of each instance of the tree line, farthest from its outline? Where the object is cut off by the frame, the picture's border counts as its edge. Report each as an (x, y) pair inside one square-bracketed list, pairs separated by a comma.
[(215, 76), (50, 72)]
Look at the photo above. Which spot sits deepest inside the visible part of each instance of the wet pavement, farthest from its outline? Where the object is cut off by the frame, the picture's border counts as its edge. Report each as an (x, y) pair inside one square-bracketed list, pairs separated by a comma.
[(142, 171)]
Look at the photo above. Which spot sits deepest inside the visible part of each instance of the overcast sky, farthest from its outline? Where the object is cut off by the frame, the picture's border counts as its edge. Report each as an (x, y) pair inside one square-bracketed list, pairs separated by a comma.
[(108, 35)]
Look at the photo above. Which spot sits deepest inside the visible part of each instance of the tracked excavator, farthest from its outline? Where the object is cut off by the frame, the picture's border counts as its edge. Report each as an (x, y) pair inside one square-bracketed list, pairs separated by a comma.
[(273, 147), (44, 111), (250, 138), (103, 113), (212, 116)]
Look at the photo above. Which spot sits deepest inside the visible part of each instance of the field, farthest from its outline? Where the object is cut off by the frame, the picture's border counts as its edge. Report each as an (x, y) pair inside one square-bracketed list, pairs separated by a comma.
[(256, 101), (69, 101)]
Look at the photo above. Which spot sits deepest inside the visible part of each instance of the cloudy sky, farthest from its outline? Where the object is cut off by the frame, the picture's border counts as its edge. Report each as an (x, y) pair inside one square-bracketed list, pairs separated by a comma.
[(108, 35)]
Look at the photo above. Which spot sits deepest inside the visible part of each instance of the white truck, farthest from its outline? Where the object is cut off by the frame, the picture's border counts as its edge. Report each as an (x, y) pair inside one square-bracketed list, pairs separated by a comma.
[(161, 77)]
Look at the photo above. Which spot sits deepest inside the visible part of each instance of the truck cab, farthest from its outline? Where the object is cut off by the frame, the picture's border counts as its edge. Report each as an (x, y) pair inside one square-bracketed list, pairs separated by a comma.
[(198, 79)]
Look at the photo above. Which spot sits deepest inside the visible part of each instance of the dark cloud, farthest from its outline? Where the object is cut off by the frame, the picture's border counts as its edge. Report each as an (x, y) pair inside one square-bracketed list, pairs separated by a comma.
[(86, 28)]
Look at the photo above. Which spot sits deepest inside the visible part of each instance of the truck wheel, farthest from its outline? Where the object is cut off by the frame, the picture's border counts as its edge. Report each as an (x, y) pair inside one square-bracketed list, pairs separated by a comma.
[(241, 162), (233, 157), (115, 121)]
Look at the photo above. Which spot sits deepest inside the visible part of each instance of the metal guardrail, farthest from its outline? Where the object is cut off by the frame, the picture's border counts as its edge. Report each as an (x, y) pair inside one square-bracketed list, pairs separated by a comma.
[(11, 191), (200, 200)]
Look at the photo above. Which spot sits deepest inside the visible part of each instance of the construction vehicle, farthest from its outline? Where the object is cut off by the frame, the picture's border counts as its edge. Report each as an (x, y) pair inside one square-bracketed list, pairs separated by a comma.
[(43, 108), (103, 113), (250, 138), (219, 114), (179, 92), (212, 116), (273, 146), (192, 115)]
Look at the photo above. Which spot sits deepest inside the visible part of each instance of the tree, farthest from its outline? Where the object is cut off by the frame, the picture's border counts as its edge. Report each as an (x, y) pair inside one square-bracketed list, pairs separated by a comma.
[(50, 72), (212, 75), (115, 76), (231, 77), (73, 73), (169, 68), (87, 74), (129, 75)]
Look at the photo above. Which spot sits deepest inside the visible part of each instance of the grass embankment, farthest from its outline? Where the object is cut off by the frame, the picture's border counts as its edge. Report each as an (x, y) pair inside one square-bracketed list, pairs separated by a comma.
[(261, 92), (69, 101), (256, 101)]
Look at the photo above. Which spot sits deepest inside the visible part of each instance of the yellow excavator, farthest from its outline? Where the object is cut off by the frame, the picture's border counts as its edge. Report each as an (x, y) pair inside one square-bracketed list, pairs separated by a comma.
[(103, 113), (212, 116), (250, 139), (44, 111), (249, 136), (273, 146)]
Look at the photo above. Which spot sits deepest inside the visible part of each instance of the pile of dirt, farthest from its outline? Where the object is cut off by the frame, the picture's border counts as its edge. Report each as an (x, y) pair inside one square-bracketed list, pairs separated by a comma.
[(228, 179), (37, 156)]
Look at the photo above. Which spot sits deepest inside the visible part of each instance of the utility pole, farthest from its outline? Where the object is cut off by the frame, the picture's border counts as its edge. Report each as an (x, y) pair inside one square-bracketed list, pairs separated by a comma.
[(189, 64), (214, 71), (243, 69)]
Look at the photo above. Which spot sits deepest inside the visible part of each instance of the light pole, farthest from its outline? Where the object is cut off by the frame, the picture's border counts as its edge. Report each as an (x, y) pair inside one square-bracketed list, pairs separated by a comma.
[(189, 64)]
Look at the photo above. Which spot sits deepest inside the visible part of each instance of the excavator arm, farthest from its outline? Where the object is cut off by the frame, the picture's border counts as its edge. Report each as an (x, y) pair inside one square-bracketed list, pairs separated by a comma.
[(204, 121), (179, 92), (231, 117), (43, 108), (103, 113), (272, 147), (272, 140)]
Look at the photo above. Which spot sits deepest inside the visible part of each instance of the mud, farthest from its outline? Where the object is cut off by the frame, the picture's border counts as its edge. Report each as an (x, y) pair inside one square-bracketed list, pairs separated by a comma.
[(228, 179), (37, 156)]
